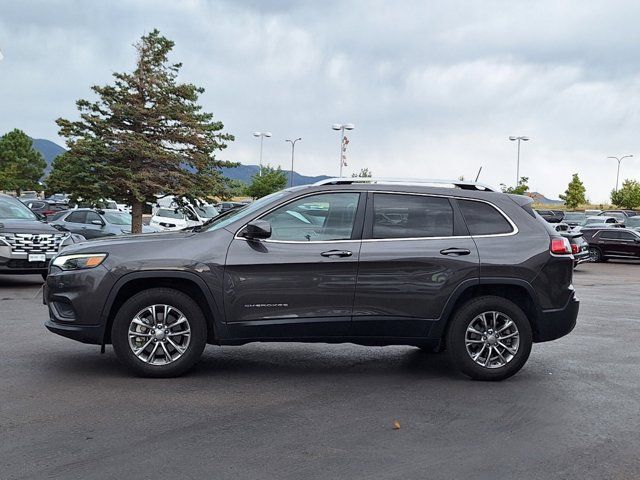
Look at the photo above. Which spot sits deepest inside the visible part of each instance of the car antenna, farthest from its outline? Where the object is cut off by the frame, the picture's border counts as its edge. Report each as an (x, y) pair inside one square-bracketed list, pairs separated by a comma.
[(478, 175)]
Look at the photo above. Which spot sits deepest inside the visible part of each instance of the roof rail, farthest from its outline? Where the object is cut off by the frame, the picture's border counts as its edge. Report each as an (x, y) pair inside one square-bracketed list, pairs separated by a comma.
[(408, 181)]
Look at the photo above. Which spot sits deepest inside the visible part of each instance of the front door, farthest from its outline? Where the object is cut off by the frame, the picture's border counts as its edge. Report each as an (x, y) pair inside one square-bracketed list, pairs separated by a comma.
[(300, 281), (415, 252)]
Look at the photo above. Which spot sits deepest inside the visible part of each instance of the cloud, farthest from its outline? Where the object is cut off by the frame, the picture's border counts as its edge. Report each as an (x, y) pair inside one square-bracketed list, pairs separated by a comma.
[(434, 88)]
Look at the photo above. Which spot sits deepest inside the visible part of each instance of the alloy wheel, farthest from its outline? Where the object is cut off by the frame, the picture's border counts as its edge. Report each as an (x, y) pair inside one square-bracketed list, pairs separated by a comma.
[(492, 339), (159, 334)]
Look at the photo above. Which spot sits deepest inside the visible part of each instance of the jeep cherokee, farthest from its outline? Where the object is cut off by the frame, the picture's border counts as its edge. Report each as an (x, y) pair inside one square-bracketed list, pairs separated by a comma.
[(438, 265)]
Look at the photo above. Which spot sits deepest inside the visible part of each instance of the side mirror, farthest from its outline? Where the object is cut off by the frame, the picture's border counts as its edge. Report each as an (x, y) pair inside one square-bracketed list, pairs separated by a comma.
[(97, 222), (256, 230)]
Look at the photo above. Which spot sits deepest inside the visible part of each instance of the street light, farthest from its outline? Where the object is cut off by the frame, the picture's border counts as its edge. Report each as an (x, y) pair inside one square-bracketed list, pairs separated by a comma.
[(293, 147), (513, 139), (342, 127), (619, 159), (261, 135)]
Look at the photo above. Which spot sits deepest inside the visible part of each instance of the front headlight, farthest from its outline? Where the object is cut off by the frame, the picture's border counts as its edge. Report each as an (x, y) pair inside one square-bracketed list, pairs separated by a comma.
[(80, 261)]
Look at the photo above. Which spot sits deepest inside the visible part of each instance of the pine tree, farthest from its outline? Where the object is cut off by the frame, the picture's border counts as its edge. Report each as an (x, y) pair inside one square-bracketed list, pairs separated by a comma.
[(21, 166), (145, 135), (574, 196)]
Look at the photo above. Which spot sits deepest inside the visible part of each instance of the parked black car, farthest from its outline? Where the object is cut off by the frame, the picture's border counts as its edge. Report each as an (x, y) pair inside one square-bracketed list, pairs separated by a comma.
[(45, 208), (466, 268), (27, 244), (551, 216), (612, 243), (579, 247), (96, 223)]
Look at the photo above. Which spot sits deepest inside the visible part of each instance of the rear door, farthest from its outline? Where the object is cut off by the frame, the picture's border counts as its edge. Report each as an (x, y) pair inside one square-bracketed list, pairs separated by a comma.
[(415, 252)]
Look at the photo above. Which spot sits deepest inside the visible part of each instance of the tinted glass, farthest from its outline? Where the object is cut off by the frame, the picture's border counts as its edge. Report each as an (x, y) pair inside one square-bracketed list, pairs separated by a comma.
[(91, 216), (327, 216), (76, 217), (613, 235), (627, 236), (411, 216), (169, 213), (483, 219)]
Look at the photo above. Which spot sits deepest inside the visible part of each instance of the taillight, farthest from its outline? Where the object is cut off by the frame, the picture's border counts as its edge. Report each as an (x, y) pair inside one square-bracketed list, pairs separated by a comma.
[(560, 246), (574, 248)]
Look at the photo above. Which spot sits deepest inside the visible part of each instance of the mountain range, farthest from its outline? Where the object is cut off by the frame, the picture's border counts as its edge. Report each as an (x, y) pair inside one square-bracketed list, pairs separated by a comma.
[(51, 150)]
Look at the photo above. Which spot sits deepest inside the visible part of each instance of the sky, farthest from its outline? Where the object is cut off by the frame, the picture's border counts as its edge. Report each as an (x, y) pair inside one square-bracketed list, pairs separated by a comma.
[(434, 88)]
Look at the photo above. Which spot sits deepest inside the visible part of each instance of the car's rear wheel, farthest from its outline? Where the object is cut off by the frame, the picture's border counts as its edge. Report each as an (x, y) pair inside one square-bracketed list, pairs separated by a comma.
[(596, 254), (159, 332), (489, 338)]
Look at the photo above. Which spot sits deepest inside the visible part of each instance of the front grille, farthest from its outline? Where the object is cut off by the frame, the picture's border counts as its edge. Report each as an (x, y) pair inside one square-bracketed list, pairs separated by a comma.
[(35, 242), (27, 265)]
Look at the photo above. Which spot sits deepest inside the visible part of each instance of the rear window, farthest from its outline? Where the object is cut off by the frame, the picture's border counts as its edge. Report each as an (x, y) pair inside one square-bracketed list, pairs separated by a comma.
[(613, 235), (411, 216), (483, 218)]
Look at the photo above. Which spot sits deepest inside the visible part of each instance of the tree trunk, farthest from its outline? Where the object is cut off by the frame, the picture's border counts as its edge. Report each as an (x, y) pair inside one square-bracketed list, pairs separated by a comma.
[(136, 216)]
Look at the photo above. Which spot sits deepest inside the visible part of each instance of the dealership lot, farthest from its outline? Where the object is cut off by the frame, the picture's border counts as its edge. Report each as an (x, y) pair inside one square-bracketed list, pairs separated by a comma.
[(322, 411)]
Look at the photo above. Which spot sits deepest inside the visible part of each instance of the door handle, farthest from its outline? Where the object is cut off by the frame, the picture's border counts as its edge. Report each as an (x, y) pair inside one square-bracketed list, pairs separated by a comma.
[(455, 251), (336, 253)]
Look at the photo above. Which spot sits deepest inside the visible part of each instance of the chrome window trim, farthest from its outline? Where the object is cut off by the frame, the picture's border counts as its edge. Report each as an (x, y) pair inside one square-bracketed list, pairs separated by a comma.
[(515, 230)]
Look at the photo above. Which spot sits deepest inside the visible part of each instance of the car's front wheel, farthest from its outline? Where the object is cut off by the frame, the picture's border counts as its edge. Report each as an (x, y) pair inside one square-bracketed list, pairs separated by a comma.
[(489, 338), (159, 332)]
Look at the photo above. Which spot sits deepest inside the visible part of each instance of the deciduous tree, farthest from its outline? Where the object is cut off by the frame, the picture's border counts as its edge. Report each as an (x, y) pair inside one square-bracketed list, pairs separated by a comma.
[(270, 181), (628, 196)]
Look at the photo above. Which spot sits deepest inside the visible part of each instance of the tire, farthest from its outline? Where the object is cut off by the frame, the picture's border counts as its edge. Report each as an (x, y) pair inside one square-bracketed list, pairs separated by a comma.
[(596, 255), (183, 349), (462, 344)]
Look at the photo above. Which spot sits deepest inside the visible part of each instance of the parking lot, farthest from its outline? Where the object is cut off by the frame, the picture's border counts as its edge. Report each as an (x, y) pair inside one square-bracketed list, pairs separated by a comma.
[(276, 411)]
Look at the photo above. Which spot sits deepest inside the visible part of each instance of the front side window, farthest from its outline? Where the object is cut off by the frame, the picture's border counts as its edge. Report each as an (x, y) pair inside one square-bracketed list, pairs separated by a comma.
[(92, 217), (411, 216), (483, 219), (322, 217), (630, 237)]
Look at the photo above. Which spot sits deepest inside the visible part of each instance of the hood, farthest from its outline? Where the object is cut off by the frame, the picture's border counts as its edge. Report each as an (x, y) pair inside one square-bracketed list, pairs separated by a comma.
[(26, 226), (105, 243)]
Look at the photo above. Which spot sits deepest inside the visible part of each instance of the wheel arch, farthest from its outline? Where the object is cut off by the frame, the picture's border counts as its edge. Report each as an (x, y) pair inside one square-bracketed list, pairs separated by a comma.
[(186, 282), (515, 290)]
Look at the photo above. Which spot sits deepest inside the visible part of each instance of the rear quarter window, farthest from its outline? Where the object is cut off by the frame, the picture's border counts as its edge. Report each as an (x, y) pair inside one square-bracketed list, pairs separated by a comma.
[(483, 218)]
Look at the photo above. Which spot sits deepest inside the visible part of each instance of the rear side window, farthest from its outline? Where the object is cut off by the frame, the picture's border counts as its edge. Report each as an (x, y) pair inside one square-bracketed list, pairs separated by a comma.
[(609, 235), (411, 216), (483, 219), (76, 217)]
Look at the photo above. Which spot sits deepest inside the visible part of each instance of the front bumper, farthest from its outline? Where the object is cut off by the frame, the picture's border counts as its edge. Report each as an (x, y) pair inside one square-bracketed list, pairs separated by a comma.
[(553, 324), (18, 262), (83, 333)]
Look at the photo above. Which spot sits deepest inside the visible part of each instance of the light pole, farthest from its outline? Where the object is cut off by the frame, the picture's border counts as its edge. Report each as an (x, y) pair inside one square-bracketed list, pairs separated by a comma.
[(342, 127), (513, 139), (293, 148), (619, 159), (261, 135)]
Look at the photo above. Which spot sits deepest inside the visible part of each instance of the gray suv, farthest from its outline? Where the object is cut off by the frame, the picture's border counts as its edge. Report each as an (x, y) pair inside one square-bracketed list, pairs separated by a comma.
[(442, 266)]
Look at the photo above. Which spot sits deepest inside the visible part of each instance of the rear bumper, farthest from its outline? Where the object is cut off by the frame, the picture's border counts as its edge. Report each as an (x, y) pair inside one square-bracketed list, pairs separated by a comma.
[(554, 324), (581, 257)]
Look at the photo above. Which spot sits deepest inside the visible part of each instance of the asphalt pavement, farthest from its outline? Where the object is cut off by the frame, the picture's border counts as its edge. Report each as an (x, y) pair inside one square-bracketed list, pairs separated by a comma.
[(317, 411)]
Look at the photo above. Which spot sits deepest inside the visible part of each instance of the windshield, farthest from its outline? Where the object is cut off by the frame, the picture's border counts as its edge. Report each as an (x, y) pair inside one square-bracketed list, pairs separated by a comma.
[(169, 213), (574, 216), (206, 211), (117, 218), (633, 221), (230, 216), (14, 210)]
